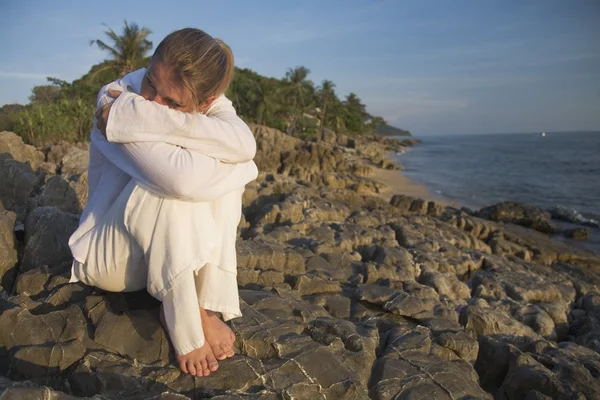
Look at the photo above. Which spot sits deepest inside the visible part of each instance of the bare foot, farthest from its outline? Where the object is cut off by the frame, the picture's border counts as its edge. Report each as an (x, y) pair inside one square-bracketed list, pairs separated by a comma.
[(218, 335), (200, 362)]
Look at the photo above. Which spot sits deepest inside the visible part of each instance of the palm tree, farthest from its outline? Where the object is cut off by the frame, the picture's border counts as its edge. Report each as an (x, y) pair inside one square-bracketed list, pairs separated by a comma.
[(266, 105), (128, 51), (299, 85), (326, 95), (297, 91)]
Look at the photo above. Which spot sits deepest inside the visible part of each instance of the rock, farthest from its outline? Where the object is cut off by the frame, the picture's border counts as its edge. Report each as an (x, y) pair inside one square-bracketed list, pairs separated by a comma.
[(8, 253), (42, 345), (26, 390), (571, 215), (67, 196), (577, 233), (446, 285), (520, 214), (307, 284), (18, 183), (409, 370), (344, 295), (134, 333), (37, 280), (413, 301), (13, 144), (487, 321), (47, 232), (255, 253), (74, 163)]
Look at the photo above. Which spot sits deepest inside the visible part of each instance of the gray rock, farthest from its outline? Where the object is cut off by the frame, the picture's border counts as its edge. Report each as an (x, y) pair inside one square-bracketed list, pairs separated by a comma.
[(67, 196), (74, 163), (42, 345), (409, 370), (18, 183), (133, 333), (26, 390), (521, 214), (47, 232), (488, 321)]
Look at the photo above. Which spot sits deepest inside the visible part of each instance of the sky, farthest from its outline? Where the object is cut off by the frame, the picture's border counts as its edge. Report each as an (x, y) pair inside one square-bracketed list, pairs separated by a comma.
[(432, 67)]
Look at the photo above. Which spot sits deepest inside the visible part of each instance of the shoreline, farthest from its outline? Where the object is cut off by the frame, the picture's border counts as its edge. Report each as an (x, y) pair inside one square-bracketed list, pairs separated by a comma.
[(395, 182)]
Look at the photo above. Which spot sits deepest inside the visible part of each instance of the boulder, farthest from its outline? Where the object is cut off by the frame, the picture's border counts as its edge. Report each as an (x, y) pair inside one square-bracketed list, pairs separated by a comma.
[(13, 144), (74, 163), (47, 232), (8, 252), (520, 214), (18, 183)]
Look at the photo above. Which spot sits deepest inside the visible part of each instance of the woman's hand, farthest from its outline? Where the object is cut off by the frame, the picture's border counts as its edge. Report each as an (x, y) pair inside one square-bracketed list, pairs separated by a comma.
[(102, 113)]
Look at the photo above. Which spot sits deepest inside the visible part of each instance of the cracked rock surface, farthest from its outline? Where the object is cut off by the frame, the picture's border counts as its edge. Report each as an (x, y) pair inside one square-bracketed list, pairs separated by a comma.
[(344, 295)]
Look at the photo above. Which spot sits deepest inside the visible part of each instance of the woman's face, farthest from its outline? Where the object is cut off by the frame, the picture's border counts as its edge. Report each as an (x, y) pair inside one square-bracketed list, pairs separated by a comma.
[(161, 86)]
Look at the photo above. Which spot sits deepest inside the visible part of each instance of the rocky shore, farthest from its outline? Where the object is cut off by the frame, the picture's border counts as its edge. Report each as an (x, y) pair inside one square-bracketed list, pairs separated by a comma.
[(345, 294)]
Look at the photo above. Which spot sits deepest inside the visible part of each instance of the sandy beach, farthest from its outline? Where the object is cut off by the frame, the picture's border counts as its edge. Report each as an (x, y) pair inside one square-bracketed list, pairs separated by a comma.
[(397, 183)]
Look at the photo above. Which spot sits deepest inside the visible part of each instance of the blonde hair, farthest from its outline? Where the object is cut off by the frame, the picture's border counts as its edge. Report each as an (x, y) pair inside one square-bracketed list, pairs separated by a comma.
[(203, 64)]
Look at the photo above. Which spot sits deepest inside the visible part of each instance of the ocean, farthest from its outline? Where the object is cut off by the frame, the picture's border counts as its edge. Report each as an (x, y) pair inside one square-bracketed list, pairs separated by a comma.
[(560, 171)]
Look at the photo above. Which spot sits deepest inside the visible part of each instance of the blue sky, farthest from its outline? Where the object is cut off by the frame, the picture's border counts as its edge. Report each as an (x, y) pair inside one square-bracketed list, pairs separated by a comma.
[(433, 67)]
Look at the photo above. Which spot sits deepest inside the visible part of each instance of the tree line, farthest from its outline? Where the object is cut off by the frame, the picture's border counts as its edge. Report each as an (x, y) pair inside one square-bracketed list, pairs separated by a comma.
[(63, 110)]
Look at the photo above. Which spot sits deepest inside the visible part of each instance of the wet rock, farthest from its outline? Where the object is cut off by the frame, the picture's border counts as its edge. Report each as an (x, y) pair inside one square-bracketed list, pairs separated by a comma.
[(47, 232), (577, 233), (520, 214)]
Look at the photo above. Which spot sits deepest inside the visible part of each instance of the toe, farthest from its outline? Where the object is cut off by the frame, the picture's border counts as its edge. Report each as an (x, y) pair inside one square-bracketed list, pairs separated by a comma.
[(191, 367), (218, 352), (199, 368), (226, 350), (205, 369), (213, 365), (183, 367)]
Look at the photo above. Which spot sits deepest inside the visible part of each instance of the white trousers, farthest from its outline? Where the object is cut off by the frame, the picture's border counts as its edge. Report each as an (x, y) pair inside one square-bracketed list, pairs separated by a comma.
[(144, 234)]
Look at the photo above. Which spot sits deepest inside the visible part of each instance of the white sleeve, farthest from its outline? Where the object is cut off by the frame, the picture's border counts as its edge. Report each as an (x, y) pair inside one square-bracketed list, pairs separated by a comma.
[(171, 171), (220, 133), (182, 316)]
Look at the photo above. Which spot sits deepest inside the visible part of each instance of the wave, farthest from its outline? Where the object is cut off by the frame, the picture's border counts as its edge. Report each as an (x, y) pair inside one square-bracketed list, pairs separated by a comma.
[(572, 215)]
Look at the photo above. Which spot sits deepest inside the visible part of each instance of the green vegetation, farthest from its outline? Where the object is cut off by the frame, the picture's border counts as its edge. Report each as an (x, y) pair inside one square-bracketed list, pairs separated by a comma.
[(388, 130), (64, 111)]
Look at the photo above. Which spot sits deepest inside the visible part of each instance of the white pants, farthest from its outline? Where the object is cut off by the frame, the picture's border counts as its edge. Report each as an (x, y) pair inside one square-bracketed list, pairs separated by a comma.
[(143, 232)]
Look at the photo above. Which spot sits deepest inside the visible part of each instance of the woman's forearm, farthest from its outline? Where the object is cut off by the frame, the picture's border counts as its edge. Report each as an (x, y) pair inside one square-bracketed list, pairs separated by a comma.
[(220, 133), (172, 171)]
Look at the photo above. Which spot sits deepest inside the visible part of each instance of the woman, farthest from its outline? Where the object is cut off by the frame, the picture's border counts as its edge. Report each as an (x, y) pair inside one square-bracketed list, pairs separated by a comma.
[(165, 192)]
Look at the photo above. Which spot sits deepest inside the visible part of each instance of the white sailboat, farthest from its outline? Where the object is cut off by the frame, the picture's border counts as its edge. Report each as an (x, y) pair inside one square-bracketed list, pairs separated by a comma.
[(543, 134)]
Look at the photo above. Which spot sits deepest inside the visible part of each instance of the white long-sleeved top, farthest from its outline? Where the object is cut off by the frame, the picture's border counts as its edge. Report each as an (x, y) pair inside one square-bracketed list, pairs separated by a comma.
[(167, 169), (192, 157)]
